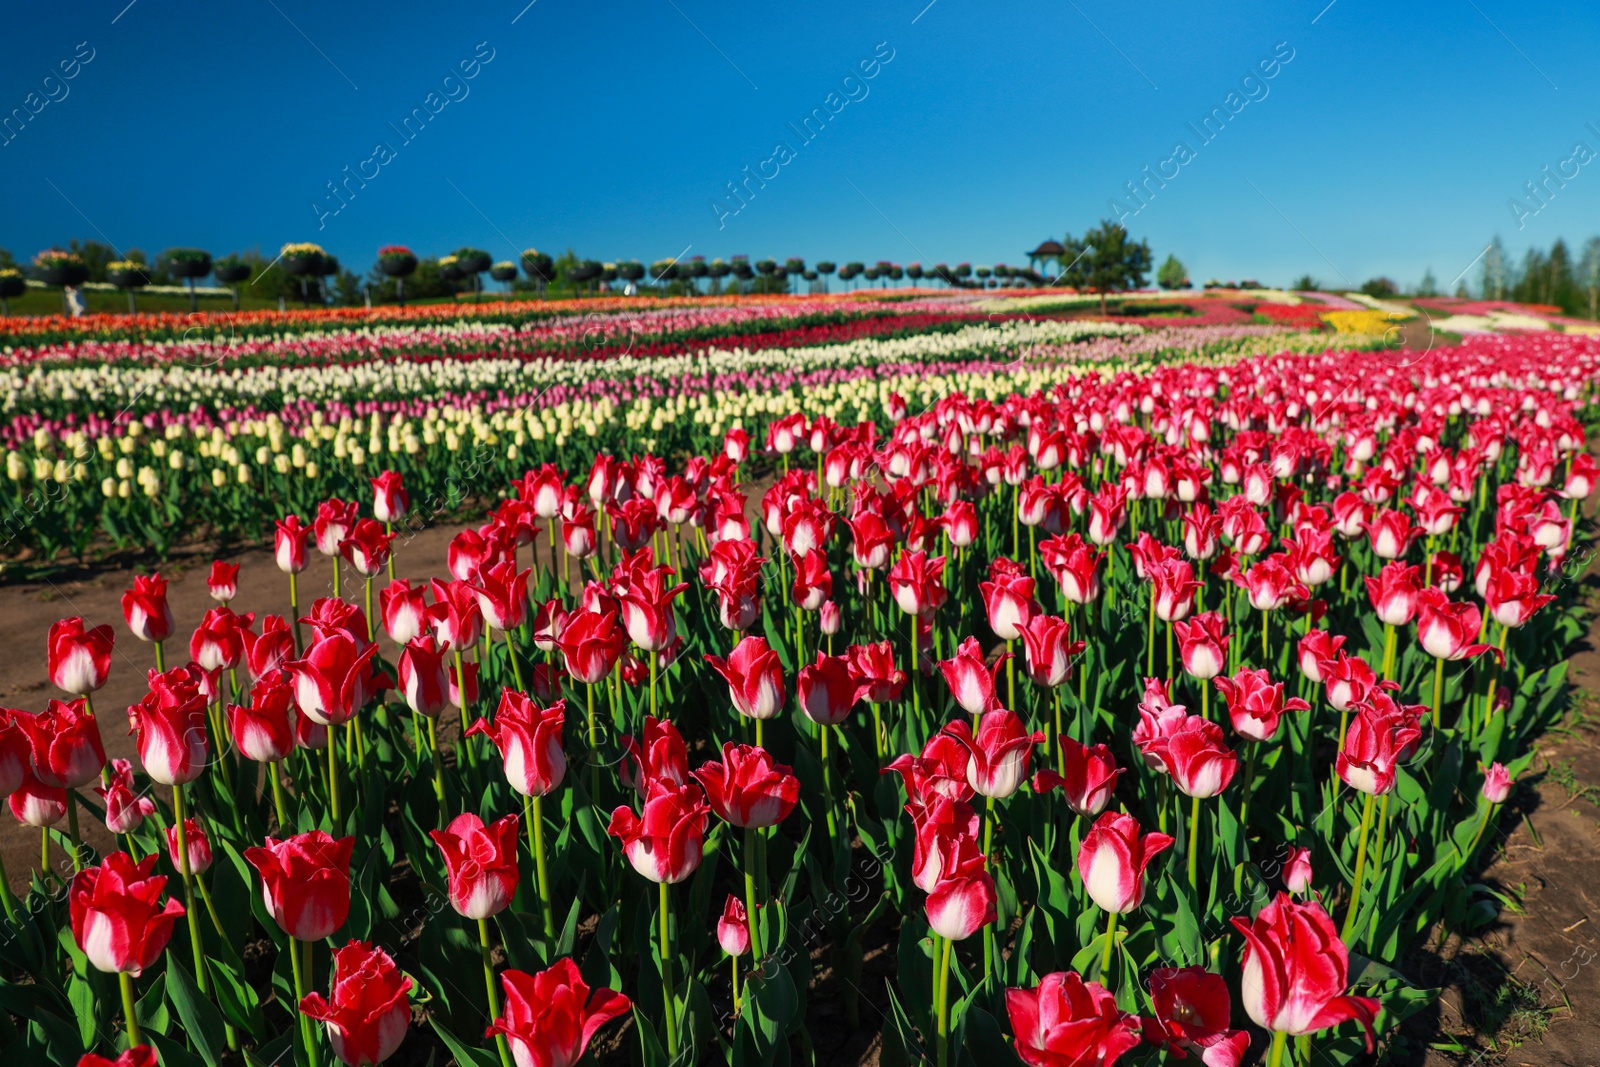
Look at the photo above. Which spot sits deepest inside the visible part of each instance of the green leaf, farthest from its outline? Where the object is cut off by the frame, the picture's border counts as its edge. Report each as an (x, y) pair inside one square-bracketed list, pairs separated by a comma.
[(465, 1055), (236, 999), (201, 1020)]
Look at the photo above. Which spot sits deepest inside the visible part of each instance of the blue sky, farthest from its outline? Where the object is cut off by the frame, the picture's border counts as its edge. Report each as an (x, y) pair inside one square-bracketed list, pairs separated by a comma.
[(1392, 140)]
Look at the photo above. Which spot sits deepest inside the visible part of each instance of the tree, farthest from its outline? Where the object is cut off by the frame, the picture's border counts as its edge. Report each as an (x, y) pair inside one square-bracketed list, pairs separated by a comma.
[(1305, 284), (1379, 287), (1429, 285), (1173, 274), (1589, 271), (1494, 271), (825, 267), (1107, 261)]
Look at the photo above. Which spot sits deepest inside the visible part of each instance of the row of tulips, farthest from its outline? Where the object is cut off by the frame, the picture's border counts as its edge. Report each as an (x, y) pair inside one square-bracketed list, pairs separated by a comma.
[(1073, 861)]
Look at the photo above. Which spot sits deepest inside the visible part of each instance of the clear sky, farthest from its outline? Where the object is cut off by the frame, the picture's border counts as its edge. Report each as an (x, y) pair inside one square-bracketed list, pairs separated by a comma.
[(1391, 141)]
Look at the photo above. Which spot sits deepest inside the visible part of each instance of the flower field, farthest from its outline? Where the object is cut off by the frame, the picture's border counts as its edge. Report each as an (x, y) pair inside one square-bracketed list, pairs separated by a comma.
[(1135, 694)]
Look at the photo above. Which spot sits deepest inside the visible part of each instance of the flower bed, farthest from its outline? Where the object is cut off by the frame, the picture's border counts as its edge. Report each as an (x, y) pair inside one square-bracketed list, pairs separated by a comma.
[(1148, 708)]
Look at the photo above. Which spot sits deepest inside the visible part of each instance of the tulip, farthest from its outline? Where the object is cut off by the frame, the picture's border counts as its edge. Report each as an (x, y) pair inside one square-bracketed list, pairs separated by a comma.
[(390, 501), (367, 548), (1008, 599), (126, 810), (223, 581), (872, 543), (37, 804), (1497, 784), (289, 546), (813, 582), (1173, 589), (1112, 862), (1203, 646), (917, 583), (1049, 649), (1390, 533), (481, 862), (971, 680), (78, 660), (1191, 1014), (305, 881), (755, 679), (368, 1013), (424, 679), (404, 610), (266, 653), (733, 928), (1296, 972), (661, 754), (456, 617), (263, 730), (196, 843), (999, 752), (1316, 653), (118, 920), (940, 770), (665, 845), (171, 726), (502, 595), (1075, 566), (145, 609), (1065, 1020), (1256, 704), (1394, 593), (647, 611), (1193, 753), (828, 691), (334, 680), (873, 665), (1088, 777), (962, 900), (1297, 871), (335, 519), (1372, 750), (550, 1017), (529, 740), (747, 788), (65, 744)]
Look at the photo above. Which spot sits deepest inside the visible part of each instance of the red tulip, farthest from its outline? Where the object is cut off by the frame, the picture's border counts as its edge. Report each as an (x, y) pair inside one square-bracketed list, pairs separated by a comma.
[(468, 550), (37, 804), (1000, 752), (223, 581), (873, 666), (633, 523), (936, 824), (733, 929), (1203, 645), (368, 1015), (456, 617), (1113, 858), (331, 615), (1075, 566), (1191, 749), (1256, 704), (145, 609), (591, 644), (16, 750), (289, 544), (962, 900), (1316, 652), (334, 680), (550, 1017), (1173, 586), (367, 547), (754, 676), (662, 755), (577, 533), (747, 788), (1008, 599), (667, 843), (1269, 584), (118, 919), (813, 582), (218, 642), (264, 731), (390, 501), (65, 744), (1374, 745), (872, 542), (940, 770), (1049, 649), (1067, 1022), (79, 659), (971, 680), (199, 847), (170, 722), (403, 610), (1512, 596), (1201, 531), (1090, 779), (1448, 630), (305, 881), (647, 610), (424, 676), (549, 623), (1350, 681), (960, 522), (1394, 593), (529, 740), (137, 1056), (1192, 1012), (828, 690), (335, 519), (736, 444), (1390, 533), (1296, 971), (126, 810), (481, 862), (1297, 870), (917, 583)]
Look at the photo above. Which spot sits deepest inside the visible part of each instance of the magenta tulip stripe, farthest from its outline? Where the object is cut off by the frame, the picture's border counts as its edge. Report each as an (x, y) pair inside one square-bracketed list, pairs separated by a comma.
[(1020, 691)]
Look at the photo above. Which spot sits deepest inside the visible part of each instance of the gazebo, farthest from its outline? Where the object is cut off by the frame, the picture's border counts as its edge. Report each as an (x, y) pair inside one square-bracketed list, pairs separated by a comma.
[(1048, 250)]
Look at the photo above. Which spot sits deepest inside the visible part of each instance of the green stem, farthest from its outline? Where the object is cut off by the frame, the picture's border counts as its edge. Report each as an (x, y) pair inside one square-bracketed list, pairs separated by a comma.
[(1379, 870), (275, 772), (333, 778), (1388, 652), (750, 900), (438, 769), (72, 830), (542, 869), (666, 970), (125, 980), (1360, 871), (1194, 846), (827, 788), (1111, 937), (180, 815), (516, 665), (1438, 690), (941, 979), (1279, 1039), (594, 751), (494, 994)]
